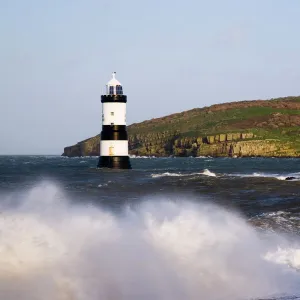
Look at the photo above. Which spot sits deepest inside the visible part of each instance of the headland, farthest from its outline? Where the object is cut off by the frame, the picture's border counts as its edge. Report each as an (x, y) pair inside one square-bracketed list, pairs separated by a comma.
[(266, 128)]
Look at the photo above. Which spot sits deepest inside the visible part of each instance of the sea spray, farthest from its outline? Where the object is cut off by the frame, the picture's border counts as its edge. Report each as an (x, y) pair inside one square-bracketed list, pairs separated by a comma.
[(51, 248)]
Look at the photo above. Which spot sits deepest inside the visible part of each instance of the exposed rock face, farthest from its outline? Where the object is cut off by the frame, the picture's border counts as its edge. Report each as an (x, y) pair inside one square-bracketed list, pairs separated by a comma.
[(249, 148), (247, 128), (231, 144), (89, 147)]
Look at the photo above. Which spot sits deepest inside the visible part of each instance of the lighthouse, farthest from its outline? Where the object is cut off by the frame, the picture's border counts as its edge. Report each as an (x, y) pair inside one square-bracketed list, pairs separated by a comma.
[(114, 137)]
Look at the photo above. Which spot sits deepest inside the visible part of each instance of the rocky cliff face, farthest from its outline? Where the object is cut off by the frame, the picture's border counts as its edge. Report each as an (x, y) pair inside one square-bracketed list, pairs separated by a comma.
[(89, 147), (230, 144), (247, 128)]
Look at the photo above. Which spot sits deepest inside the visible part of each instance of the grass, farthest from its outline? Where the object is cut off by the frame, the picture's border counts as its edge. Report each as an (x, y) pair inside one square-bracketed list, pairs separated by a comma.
[(209, 123)]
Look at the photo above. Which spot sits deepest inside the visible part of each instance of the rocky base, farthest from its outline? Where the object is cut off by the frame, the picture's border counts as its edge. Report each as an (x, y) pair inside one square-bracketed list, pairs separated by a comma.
[(114, 162)]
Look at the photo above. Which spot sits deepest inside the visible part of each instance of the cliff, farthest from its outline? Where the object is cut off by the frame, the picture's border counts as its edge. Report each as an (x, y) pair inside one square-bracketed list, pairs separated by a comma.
[(245, 128)]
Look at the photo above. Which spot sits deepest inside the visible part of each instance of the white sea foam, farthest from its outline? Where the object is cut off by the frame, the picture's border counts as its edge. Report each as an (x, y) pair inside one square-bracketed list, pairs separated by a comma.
[(206, 172), (270, 175), (209, 173), (280, 220), (137, 156), (53, 249), (167, 174), (286, 256), (104, 184)]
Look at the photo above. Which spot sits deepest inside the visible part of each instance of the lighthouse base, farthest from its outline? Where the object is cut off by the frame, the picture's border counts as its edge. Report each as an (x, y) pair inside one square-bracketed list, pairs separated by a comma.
[(114, 162)]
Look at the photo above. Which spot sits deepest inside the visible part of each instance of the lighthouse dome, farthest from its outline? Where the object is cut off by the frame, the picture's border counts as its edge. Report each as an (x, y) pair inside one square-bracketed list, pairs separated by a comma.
[(114, 87)]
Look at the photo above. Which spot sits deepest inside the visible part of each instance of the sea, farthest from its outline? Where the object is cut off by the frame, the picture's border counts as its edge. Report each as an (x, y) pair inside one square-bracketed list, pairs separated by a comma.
[(170, 228)]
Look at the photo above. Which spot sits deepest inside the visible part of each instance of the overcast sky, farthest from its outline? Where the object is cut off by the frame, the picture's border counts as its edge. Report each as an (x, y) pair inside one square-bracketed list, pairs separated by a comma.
[(56, 57)]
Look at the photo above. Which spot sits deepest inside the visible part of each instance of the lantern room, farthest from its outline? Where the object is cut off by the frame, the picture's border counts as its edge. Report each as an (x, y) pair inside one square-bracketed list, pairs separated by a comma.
[(114, 87)]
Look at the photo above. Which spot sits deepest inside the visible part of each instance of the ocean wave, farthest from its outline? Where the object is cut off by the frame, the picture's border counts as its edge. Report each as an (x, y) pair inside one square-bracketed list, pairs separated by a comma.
[(209, 173), (76, 157), (143, 156), (167, 174), (158, 250), (206, 172), (290, 176), (104, 184), (285, 256), (277, 221)]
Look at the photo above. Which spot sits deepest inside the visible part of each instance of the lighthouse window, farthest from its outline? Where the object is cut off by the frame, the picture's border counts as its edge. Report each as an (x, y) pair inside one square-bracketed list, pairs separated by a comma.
[(111, 90), (119, 90), (112, 113)]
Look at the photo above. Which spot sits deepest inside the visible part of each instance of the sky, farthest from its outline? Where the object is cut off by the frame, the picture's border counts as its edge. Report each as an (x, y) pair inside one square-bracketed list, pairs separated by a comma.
[(57, 56)]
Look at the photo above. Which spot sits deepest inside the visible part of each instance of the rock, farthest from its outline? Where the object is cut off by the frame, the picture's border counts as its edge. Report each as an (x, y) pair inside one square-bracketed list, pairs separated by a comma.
[(229, 137), (222, 137), (72, 151), (290, 178), (194, 146), (236, 136), (211, 139), (247, 135), (89, 147)]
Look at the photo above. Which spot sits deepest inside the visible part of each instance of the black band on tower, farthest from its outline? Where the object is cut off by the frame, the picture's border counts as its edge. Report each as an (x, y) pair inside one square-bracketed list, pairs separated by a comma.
[(114, 98), (114, 127), (108, 135), (114, 162)]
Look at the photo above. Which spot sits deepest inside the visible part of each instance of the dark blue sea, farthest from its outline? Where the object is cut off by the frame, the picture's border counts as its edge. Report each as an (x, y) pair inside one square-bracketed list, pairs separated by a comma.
[(170, 228)]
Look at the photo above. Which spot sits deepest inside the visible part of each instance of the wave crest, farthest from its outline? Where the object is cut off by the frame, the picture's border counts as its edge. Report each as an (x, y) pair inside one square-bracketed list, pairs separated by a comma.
[(159, 250), (206, 172)]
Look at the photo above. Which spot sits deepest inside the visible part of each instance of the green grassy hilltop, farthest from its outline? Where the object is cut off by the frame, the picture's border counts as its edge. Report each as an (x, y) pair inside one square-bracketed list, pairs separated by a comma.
[(245, 128)]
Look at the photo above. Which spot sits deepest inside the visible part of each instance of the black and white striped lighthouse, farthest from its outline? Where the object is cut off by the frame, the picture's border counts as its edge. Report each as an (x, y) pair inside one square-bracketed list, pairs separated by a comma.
[(114, 137)]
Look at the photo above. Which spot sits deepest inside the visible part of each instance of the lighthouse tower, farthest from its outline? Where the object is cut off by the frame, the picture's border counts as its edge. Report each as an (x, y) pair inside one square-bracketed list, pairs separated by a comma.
[(114, 138)]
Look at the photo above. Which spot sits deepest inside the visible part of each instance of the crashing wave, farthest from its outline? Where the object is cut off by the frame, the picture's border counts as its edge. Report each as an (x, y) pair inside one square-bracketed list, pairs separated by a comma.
[(209, 173), (53, 249)]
